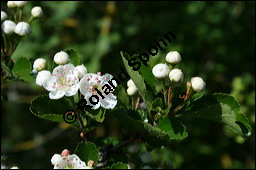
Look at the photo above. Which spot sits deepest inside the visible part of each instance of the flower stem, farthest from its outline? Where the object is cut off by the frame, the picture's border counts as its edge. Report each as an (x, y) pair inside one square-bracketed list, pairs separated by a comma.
[(138, 102)]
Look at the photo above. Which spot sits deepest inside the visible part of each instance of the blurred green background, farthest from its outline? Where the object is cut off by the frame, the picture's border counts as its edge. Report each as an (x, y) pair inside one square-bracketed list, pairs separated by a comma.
[(216, 41)]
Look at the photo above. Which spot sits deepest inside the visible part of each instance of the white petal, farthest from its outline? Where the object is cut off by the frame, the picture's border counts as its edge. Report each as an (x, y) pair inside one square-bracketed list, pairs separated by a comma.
[(109, 102), (56, 158), (83, 84), (61, 164), (56, 94), (48, 85), (72, 90)]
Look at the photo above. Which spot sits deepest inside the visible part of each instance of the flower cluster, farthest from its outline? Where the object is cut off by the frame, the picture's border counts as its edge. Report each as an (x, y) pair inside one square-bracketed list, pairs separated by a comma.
[(66, 80), (67, 161)]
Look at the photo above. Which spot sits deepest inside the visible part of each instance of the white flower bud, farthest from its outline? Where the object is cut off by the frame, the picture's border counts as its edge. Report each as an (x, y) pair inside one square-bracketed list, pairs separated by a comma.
[(132, 90), (39, 64), (37, 12), (3, 16), (61, 58), (22, 29), (173, 57), (21, 4), (42, 77), (11, 4), (161, 70), (146, 157), (198, 84), (8, 27), (82, 70), (176, 75), (130, 83), (56, 158)]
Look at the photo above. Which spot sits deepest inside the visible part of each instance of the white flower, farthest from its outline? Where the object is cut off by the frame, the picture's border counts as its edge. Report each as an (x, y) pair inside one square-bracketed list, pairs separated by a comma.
[(198, 84), (39, 64), (3, 16), (82, 70), (61, 58), (92, 85), (146, 157), (21, 4), (173, 57), (63, 81), (176, 75), (161, 70), (68, 162), (130, 83), (132, 90), (11, 4), (37, 12), (42, 77), (8, 27), (22, 29)]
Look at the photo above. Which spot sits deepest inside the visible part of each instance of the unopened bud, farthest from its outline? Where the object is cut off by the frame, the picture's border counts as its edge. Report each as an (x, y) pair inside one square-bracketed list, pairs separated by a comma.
[(37, 12), (65, 152), (11, 4), (173, 57), (82, 70), (39, 64), (132, 90), (22, 29), (161, 70), (21, 4), (198, 84), (3, 16), (130, 83), (42, 77), (176, 75), (146, 157), (61, 58), (8, 27), (90, 163)]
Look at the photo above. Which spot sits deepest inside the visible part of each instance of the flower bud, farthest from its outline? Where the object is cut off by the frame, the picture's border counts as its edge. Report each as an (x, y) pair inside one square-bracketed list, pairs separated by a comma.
[(3, 16), (176, 75), (161, 70), (130, 83), (22, 28), (146, 157), (198, 84), (56, 158), (37, 12), (65, 152), (42, 77), (173, 57), (90, 163), (21, 4), (11, 4), (82, 70), (61, 58), (132, 90), (8, 27), (39, 64)]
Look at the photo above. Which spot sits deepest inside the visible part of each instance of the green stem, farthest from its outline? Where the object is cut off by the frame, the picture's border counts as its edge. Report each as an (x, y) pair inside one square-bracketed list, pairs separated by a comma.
[(30, 19), (21, 13)]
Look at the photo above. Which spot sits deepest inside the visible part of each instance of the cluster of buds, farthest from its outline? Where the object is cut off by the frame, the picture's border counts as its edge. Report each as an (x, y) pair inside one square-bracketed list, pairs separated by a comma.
[(176, 76), (15, 27)]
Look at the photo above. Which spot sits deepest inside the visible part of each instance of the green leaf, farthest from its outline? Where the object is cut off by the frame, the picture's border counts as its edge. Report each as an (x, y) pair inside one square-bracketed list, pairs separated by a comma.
[(150, 80), (46, 108), (221, 108), (138, 80), (175, 129), (22, 69), (98, 114), (87, 151), (119, 165), (122, 96), (74, 58)]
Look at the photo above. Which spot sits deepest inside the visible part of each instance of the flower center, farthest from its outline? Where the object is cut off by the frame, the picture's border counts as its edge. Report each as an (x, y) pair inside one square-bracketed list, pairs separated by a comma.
[(64, 81)]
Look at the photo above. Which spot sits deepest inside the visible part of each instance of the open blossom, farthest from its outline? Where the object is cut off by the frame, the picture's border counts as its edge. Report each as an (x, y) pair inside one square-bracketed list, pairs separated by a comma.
[(63, 81), (88, 85), (68, 162)]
